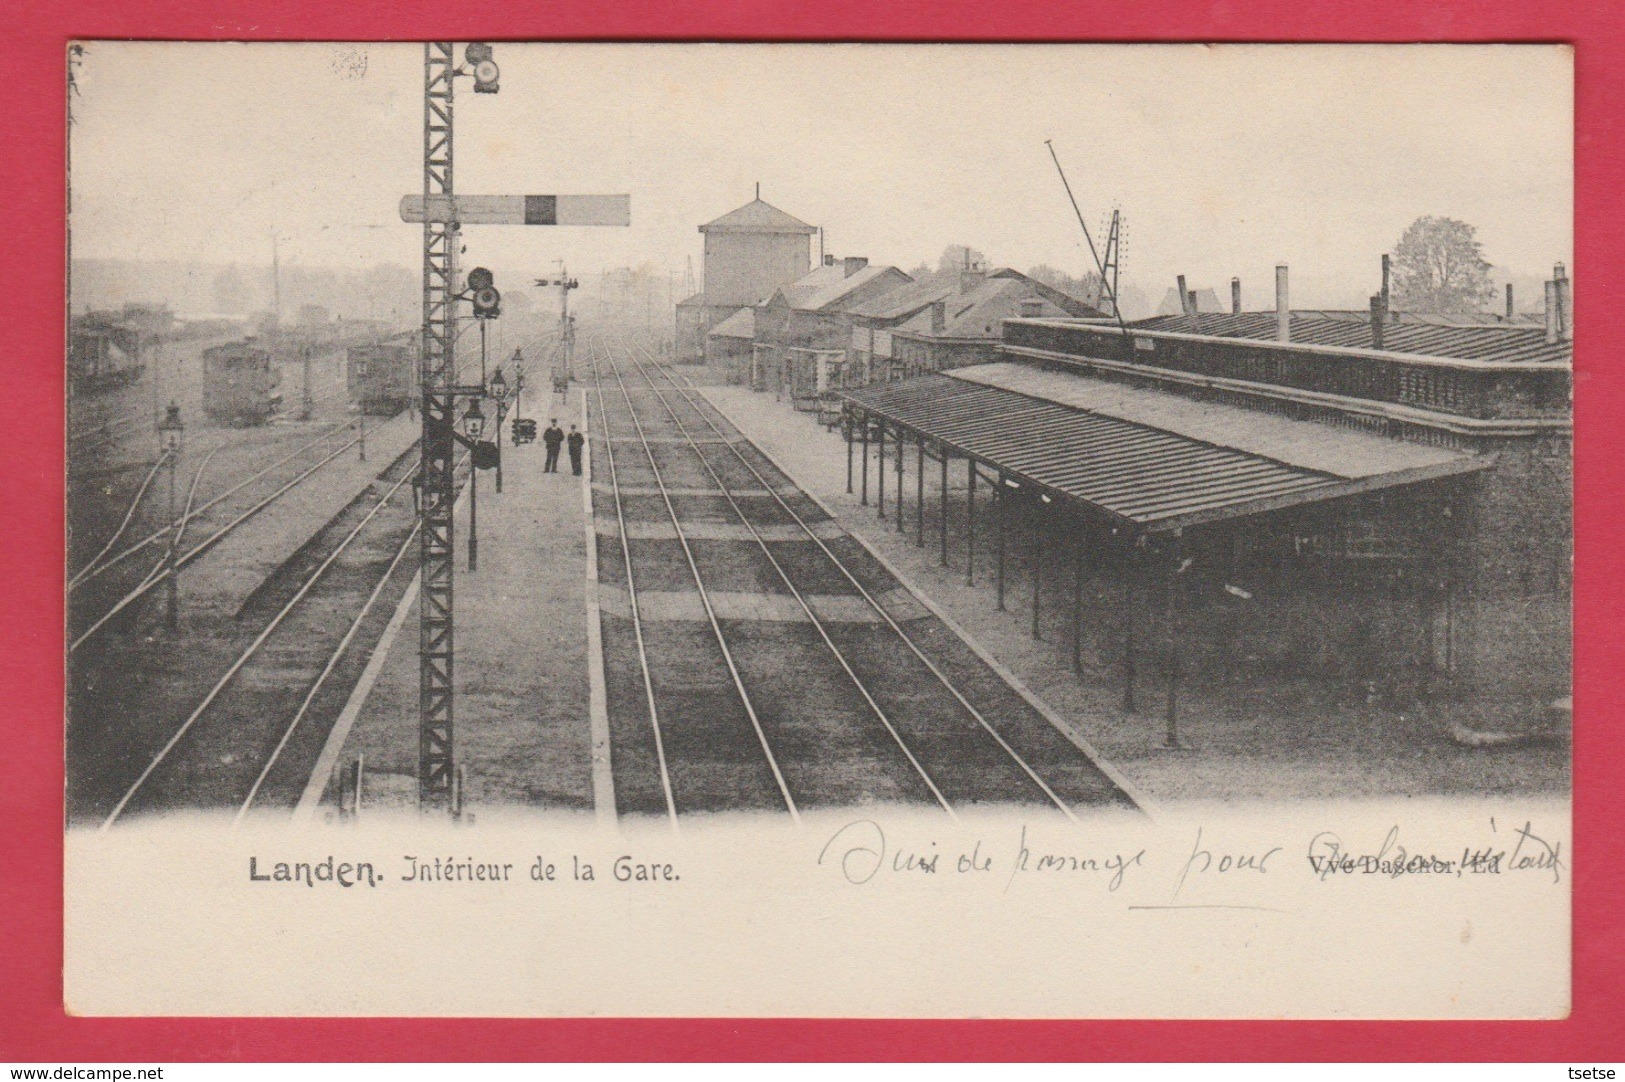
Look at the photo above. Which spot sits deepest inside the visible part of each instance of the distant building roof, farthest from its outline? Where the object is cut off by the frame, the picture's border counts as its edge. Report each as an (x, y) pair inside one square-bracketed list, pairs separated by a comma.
[(696, 301), (1455, 337), (758, 217), (977, 312), (1206, 301), (742, 324), (824, 286)]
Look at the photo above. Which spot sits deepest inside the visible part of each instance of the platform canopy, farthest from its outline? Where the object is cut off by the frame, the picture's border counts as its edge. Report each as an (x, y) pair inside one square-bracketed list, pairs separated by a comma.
[(1145, 458)]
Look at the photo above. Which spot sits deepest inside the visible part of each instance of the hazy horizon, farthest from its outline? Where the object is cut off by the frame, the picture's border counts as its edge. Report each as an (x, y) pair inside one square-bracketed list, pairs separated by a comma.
[(1225, 160)]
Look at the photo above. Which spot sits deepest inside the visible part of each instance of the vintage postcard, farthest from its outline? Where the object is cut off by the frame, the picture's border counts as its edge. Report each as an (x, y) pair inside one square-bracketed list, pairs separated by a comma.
[(819, 530)]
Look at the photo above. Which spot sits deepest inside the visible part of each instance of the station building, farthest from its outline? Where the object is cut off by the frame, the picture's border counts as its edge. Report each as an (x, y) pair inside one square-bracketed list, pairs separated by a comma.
[(802, 330), (1383, 505), (749, 253)]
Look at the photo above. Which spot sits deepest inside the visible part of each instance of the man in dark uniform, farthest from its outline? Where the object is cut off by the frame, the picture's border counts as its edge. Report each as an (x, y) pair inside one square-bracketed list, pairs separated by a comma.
[(553, 437), (576, 441)]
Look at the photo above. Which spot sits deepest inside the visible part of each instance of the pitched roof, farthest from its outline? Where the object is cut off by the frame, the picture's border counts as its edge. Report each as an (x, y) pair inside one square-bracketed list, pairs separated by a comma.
[(1425, 336), (976, 313), (758, 217), (906, 300), (822, 288), (742, 324)]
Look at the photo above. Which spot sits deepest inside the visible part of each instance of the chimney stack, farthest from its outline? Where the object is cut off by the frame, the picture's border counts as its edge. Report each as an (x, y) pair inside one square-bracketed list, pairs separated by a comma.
[(829, 261), (1235, 296), (971, 277), (1552, 317), (1386, 275), (939, 316), (1378, 318), (1283, 305), (1184, 294), (1565, 303), (855, 263), (1509, 302)]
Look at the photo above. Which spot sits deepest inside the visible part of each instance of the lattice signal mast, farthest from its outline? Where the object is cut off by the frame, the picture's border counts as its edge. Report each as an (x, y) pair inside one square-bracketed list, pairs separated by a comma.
[(443, 214), (1111, 263)]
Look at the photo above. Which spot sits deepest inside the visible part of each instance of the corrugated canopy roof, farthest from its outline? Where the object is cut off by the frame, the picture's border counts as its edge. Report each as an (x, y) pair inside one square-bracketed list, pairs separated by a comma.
[(1148, 458), (1407, 334), (758, 217)]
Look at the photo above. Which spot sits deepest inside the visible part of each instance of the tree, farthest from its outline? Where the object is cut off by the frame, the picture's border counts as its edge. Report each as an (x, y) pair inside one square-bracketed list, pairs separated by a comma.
[(1086, 288), (1439, 266), (953, 258)]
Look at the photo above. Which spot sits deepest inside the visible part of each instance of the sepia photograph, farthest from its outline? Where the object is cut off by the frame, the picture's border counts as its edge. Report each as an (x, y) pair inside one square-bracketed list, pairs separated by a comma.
[(988, 530)]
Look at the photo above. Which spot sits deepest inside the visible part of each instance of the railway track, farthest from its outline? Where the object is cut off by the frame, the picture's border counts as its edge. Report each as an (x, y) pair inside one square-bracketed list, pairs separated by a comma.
[(777, 664), (219, 517), (249, 742)]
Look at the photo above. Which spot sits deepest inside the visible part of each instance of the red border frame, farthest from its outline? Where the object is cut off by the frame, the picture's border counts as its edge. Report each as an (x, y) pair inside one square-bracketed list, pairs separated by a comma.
[(33, 1026)]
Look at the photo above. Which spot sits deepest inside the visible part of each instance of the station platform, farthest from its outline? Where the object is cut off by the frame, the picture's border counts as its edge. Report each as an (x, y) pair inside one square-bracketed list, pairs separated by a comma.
[(522, 727)]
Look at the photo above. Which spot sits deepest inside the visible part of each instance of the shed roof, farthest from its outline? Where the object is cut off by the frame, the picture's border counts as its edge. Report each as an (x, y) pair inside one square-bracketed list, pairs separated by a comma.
[(825, 285), (1148, 458), (742, 324), (977, 312), (758, 217), (1425, 336)]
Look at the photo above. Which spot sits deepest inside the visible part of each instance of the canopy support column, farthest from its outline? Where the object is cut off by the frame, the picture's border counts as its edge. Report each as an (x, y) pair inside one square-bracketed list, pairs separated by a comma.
[(902, 527), (1000, 505), (943, 450), (1077, 604), (865, 500), (880, 470), (1130, 577), (919, 495), (1037, 531), (846, 431), (1176, 570), (970, 522)]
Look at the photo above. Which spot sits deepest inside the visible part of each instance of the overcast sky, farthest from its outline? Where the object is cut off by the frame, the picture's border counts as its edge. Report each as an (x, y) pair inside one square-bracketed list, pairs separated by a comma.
[(1225, 160)]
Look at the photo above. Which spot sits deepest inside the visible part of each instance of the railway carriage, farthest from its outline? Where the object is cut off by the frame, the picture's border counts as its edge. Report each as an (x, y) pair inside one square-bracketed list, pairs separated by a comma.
[(240, 384), (381, 376)]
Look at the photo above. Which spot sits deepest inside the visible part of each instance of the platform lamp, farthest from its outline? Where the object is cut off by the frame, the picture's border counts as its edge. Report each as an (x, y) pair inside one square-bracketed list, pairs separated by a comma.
[(171, 438), (498, 390), (474, 428)]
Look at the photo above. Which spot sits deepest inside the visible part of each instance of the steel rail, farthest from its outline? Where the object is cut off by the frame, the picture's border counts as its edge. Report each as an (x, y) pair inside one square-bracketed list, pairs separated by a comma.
[(801, 600), (252, 649), (135, 502), (158, 534), (204, 545), (884, 615), (327, 670), (705, 597), (632, 591)]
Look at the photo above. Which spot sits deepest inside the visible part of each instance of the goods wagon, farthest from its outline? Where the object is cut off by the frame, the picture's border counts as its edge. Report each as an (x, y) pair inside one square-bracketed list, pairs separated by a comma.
[(382, 376), (240, 384)]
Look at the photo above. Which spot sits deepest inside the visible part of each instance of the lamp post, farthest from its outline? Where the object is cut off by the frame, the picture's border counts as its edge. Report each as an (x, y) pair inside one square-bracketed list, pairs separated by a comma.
[(499, 391), (474, 427), (171, 436)]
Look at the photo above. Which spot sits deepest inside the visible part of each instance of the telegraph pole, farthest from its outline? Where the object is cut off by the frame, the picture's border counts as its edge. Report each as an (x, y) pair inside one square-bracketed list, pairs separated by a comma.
[(443, 214)]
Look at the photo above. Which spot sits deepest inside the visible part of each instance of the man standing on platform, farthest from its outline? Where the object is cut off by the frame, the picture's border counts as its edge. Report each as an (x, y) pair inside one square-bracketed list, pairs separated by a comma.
[(576, 441), (553, 436)]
